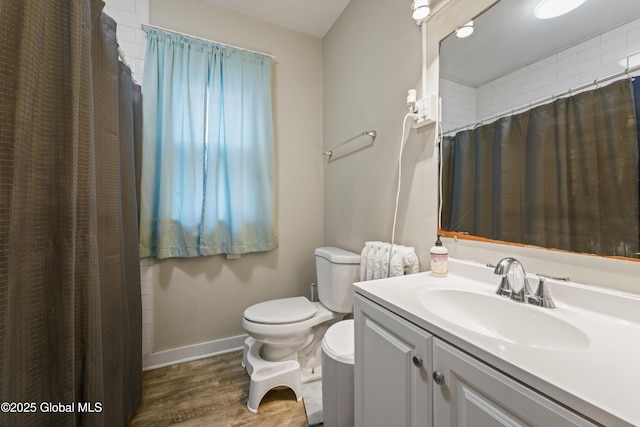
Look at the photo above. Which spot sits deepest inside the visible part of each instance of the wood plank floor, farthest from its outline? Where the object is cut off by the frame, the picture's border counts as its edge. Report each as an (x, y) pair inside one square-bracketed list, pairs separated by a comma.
[(212, 392)]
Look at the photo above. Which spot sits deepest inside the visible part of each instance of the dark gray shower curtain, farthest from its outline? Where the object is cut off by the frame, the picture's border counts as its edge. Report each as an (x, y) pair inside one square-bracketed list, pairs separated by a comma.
[(70, 311), (562, 175)]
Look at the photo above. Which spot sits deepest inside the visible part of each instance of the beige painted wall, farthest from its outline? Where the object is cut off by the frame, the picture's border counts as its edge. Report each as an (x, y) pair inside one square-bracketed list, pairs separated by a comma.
[(371, 58), (201, 300)]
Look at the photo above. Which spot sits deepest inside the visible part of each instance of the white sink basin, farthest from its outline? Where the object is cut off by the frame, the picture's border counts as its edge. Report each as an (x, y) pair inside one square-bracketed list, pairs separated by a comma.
[(498, 317)]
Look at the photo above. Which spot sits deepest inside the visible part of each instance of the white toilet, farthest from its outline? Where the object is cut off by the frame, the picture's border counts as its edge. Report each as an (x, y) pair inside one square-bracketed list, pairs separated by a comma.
[(285, 335)]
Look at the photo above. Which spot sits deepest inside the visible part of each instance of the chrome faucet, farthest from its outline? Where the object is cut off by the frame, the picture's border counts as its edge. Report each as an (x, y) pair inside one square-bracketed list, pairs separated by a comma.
[(519, 289)]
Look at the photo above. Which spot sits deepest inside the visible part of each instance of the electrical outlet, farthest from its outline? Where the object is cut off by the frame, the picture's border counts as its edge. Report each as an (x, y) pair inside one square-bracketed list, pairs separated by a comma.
[(427, 111)]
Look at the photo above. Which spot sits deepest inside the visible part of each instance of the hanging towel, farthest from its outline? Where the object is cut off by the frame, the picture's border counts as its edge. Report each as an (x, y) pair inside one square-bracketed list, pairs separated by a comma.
[(379, 260), (381, 266), (411, 262), (363, 261), (404, 261), (396, 267), (371, 259)]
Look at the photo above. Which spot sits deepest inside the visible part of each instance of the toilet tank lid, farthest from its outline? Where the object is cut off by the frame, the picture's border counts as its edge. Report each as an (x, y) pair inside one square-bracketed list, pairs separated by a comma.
[(338, 255)]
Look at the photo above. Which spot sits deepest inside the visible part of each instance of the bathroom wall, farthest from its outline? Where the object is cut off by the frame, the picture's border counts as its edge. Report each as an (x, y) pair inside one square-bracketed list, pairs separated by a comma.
[(198, 303), (371, 58), (130, 15)]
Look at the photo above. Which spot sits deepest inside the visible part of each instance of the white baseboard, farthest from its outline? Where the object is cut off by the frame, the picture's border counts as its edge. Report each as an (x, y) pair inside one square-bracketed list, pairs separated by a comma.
[(175, 356)]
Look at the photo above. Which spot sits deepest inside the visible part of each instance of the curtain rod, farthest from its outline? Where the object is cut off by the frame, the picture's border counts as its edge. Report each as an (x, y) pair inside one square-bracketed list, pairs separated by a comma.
[(530, 105), (205, 40)]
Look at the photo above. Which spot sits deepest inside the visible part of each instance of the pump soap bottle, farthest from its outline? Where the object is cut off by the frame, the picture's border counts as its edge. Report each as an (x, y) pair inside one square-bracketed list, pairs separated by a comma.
[(439, 259)]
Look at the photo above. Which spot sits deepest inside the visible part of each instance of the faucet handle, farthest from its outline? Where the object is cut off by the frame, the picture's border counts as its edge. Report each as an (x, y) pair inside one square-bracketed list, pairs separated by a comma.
[(504, 289), (542, 298)]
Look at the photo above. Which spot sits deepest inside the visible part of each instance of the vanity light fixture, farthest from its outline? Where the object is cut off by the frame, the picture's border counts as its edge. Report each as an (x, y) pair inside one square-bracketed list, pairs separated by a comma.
[(420, 9), (465, 31), (546, 9)]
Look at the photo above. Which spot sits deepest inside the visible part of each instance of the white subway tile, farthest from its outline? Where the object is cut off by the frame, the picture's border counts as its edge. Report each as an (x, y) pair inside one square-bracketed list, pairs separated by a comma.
[(146, 346), (633, 36), (142, 8), (133, 50), (543, 81), (126, 5), (562, 64), (602, 48), (147, 302), (123, 17), (507, 94), (146, 261), (606, 70), (574, 50), (126, 33), (558, 87), (140, 36), (146, 287), (147, 317), (146, 272), (617, 54), (623, 29), (139, 65)]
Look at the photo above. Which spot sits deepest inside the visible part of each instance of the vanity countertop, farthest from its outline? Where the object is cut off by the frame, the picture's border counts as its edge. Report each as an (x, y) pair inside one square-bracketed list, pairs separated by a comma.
[(598, 377)]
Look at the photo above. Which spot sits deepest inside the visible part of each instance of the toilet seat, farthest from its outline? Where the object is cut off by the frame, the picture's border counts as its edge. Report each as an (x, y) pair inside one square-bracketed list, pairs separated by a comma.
[(281, 311)]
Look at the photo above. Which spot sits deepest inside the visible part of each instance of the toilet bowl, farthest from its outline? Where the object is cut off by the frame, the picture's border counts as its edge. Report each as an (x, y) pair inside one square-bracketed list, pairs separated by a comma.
[(285, 335), (286, 325)]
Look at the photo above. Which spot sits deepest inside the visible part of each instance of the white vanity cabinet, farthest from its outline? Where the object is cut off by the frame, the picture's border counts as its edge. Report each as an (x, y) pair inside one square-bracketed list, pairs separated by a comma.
[(404, 376), (473, 394), (392, 369)]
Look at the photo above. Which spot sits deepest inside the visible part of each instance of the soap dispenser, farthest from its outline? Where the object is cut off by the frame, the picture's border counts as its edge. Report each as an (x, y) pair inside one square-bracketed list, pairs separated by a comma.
[(439, 259)]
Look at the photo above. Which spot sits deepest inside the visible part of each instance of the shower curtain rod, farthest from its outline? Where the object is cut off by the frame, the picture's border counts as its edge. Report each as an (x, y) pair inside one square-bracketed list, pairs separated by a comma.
[(530, 105), (205, 40)]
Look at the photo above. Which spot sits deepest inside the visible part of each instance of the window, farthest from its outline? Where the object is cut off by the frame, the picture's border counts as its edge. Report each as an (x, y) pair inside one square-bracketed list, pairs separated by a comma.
[(208, 156)]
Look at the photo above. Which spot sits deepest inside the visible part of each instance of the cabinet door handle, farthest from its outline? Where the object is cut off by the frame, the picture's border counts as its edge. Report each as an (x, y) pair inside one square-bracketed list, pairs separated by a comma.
[(416, 361), (438, 377)]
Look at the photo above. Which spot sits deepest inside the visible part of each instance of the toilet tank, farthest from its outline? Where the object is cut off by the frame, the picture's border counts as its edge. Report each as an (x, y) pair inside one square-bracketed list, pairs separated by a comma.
[(337, 269)]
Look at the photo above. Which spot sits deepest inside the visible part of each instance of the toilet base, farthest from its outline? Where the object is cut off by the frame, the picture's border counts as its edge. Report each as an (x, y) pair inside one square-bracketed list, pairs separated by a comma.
[(266, 375)]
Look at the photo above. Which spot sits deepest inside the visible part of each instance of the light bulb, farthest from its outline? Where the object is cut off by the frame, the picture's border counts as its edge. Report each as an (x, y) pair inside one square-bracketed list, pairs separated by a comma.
[(546, 9), (420, 9), (465, 31)]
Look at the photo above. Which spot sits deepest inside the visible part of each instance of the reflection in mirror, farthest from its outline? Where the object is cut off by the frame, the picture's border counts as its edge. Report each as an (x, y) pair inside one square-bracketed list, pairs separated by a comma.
[(541, 121)]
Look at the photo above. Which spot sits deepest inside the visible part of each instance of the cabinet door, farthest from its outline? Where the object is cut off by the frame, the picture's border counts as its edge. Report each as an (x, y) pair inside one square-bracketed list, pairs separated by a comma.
[(475, 395), (391, 370)]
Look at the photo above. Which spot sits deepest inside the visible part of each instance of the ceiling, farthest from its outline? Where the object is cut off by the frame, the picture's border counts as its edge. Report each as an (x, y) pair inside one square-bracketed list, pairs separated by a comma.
[(515, 37), (313, 17), (508, 37)]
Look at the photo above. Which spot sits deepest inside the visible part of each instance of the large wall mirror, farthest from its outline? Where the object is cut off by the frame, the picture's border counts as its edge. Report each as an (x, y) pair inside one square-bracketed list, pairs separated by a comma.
[(541, 122)]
